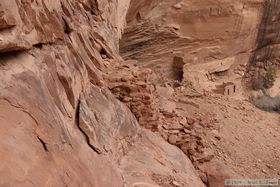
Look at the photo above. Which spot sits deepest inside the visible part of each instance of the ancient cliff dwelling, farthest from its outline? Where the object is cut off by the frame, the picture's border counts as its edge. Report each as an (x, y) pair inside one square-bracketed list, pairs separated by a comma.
[(139, 93), (227, 89)]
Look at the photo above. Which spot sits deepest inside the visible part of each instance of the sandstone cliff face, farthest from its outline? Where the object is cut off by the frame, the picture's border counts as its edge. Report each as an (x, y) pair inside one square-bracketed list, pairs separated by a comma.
[(268, 33), (70, 106), (59, 123), (215, 38), (265, 55)]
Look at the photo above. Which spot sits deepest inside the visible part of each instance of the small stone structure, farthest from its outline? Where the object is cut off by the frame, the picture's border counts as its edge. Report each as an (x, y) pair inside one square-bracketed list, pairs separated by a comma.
[(227, 89)]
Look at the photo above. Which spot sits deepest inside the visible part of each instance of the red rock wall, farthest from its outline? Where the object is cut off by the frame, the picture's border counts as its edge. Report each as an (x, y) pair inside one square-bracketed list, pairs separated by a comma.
[(59, 123)]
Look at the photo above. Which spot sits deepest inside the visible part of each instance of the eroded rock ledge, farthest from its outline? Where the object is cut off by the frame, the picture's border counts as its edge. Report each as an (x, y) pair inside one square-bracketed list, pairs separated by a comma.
[(59, 123)]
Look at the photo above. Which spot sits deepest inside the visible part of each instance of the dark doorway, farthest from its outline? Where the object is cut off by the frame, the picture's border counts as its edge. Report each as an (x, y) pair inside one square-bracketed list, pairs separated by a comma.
[(178, 68)]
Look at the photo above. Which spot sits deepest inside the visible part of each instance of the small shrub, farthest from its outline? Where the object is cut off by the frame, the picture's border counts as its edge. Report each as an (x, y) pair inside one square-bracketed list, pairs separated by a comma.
[(267, 103), (258, 82), (264, 81)]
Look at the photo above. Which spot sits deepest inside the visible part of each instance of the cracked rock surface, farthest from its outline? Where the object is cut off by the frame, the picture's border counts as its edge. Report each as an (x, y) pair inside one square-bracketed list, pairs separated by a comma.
[(59, 123)]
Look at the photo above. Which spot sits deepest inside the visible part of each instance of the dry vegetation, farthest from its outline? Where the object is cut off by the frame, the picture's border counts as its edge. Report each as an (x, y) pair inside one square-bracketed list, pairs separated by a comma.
[(267, 102), (264, 81)]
